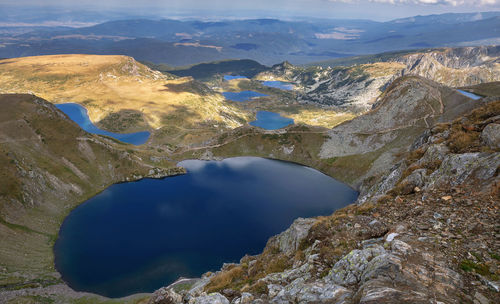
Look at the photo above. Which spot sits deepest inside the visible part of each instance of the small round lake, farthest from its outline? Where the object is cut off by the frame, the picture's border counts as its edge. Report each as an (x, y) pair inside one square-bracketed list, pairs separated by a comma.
[(79, 114), (271, 121), (139, 236)]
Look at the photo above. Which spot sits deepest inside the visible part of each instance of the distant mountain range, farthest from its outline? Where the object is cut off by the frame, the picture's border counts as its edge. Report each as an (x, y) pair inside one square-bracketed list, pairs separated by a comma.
[(267, 41)]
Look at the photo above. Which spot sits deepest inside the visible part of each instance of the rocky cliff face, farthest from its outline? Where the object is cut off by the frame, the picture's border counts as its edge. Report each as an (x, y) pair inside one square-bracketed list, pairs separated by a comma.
[(408, 107), (455, 67), (425, 231), (356, 88)]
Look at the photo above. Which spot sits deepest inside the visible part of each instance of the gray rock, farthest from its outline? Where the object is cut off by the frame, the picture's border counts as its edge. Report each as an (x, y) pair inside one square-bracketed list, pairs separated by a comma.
[(401, 247), (289, 275), (456, 168), (434, 153), (246, 298), (480, 298), (214, 298), (416, 179), (491, 135), (289, 240), (351, 267), (386, 184), (197, 289), (317, 292), (381, 295), (380, 264), (165, 296)]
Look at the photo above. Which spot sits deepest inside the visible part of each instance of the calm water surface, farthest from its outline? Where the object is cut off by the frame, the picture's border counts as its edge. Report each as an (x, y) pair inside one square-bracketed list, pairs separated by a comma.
[(231, 77), (79, 114), (279, 85), (139, 236), (271, 121), (242, 96), (470, 95)]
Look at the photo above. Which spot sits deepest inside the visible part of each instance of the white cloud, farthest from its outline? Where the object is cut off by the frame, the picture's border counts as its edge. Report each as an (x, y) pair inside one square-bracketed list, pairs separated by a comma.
[(431, 2)]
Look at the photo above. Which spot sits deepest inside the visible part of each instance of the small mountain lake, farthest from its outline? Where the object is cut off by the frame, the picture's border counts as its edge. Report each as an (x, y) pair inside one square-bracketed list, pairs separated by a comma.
[(242, 96), (470, 95), (231, 77), (279, 85), (271, 121), (136, 237), (79, 114)]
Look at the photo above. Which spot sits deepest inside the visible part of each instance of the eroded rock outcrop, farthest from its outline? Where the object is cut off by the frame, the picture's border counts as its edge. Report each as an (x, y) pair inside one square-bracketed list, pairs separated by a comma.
[(425, 232), (357, 88)]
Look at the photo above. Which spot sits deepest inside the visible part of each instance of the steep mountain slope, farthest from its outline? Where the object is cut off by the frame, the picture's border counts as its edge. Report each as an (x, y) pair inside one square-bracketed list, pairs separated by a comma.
[(120, 94), (357, 150), (409, 106), (455, 67), (243, 67), (424, 229), (49, 166), (358, 87)]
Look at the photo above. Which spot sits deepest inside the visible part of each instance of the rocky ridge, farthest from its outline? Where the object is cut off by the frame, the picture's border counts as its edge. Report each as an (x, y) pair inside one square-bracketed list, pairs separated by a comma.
[(424, 231), (356, 88)]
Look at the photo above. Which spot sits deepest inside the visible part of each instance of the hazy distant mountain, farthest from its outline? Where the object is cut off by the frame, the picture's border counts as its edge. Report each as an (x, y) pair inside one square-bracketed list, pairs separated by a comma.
[(268, 41)]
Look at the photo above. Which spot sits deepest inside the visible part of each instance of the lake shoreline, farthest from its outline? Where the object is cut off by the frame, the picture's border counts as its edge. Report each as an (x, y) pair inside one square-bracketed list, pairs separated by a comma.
[(237, 160)]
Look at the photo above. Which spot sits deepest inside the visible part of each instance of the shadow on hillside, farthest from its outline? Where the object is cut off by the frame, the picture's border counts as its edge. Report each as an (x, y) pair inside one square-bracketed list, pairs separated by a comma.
[(179, 116), (191, 86)]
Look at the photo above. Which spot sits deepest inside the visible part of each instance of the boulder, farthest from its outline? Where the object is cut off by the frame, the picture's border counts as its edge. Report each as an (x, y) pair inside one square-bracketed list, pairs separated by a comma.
[(416, 179), (351, 267), (316, 292), (457, 168), (434, 153), (165, 296), (246, 298), (214, 298), (289, 240), (491, 135)]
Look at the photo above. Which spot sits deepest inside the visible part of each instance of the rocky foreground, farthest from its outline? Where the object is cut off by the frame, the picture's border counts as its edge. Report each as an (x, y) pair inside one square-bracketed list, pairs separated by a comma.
[(428, 231)]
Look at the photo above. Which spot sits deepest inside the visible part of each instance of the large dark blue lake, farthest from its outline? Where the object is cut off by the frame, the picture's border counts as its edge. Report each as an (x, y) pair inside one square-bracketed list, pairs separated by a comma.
[(79, 114), (139, 236)]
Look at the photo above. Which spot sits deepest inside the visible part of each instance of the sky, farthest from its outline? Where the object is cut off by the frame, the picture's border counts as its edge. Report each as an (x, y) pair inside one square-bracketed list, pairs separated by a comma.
[(380, 10)]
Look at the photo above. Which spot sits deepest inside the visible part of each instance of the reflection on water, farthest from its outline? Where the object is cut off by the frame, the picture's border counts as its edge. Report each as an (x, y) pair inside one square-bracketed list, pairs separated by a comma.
[(139, 236), (242, 96), (271, 121)]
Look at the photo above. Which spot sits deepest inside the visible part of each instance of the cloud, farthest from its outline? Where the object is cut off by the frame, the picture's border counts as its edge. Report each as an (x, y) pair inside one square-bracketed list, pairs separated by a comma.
[(430, 2)]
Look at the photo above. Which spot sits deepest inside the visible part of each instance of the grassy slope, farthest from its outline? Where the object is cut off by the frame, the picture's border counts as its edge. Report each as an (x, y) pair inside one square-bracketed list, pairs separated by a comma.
[(49, 166), (485, 89), (285, 103), (302, 144), (120, 93), (245, 67)]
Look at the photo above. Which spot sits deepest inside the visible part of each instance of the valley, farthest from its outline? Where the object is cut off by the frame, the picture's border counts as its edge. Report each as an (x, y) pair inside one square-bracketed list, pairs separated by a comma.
[(396, 130)]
